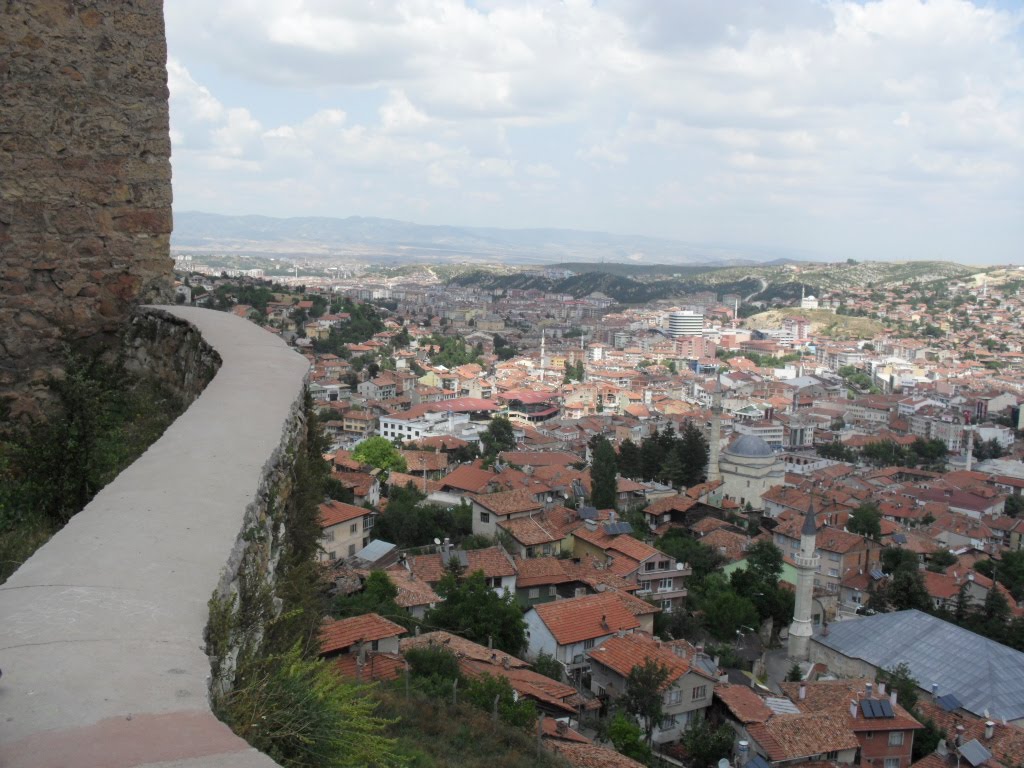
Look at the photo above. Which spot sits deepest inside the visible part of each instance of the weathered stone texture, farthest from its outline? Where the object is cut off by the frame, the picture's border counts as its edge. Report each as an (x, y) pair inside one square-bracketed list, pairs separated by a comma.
[(164, 347), (85, 176)]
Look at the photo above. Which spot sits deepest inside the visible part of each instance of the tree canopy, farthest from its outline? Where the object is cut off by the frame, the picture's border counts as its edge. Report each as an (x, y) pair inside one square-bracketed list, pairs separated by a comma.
[(473, 610), (379, 452), (602, 473), (643, 695)]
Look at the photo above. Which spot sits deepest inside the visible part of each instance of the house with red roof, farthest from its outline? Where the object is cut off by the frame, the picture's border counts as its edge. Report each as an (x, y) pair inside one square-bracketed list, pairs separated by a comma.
[(567, 629), (363, 647), (687, 690), (344, 529)]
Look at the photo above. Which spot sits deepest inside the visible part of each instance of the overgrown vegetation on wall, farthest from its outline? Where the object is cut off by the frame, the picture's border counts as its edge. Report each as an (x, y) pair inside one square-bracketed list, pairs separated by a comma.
[(100, 419), (268, 683)]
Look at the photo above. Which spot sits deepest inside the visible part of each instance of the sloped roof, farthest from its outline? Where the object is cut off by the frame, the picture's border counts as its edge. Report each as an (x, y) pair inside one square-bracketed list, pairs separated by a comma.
[(745, 705), (584, 618), (986, 675), (336, 512), (787, 737), (344, 633), (622, 654)]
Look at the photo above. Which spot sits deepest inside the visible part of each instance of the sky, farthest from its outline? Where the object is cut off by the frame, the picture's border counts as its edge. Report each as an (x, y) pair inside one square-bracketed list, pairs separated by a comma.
[(820, 129)]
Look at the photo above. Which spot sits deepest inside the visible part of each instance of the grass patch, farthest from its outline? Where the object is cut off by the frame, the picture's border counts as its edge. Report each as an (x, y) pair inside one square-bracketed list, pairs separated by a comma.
[(432, 732)]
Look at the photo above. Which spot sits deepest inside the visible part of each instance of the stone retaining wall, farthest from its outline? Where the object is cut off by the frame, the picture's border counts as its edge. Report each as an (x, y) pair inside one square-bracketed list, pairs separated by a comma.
[(102, 630)]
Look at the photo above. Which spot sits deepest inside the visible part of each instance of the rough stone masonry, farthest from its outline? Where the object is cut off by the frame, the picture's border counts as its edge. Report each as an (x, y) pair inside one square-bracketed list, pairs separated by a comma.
[(85, 178)]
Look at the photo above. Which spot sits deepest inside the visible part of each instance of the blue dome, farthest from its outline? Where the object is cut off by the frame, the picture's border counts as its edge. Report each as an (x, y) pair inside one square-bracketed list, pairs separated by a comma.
[(751, 446)]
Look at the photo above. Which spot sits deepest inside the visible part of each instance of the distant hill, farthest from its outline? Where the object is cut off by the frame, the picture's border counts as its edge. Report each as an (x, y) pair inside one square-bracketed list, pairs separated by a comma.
[(390, 240)]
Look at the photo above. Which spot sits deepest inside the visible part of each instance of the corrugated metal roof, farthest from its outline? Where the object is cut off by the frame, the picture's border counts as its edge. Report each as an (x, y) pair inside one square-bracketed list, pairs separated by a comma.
[(985, 676)]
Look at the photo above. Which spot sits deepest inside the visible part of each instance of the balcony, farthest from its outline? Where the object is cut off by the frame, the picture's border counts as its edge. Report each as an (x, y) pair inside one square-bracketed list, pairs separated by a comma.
[(102, 635)]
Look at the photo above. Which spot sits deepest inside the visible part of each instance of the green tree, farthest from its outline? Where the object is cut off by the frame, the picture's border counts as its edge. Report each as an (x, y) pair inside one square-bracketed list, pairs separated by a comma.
[(725, 612), (483, 691), (499, 436), (706, 744), (693, 452), (900, 679), (547, 665), (703, 560), (377, 596), (475, 611), (795, 675), (603, 483), (643, 695), (941, 560), (629, 462), (866, 520), (627, 738), (379, 452)]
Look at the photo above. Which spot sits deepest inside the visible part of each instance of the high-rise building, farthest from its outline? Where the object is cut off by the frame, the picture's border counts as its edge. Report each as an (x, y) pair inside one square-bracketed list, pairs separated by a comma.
[(685, 323)]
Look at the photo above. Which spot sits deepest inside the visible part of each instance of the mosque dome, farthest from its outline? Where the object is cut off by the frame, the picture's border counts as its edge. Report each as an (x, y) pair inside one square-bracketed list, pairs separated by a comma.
[(750, 446)]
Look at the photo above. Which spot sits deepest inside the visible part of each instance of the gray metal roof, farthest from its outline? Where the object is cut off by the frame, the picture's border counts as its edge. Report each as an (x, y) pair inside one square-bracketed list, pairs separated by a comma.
[(375, 550), (975, 753), (981, 673), (750, 445)]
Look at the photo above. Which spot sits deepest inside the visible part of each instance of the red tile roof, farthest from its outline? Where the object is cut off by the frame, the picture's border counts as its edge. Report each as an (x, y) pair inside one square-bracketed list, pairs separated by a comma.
[(622, 654), (335, 512), (584, 618), (377, 666), (468, 478), (344, 633), (788, 737), (745, 705), (590, 755)]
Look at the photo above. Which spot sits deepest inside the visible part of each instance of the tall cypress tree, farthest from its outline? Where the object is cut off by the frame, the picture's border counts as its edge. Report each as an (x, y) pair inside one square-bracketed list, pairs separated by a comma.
[(603, 469)]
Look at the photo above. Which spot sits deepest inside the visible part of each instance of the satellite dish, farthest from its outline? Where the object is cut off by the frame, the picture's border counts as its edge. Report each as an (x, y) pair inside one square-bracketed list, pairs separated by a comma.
[(724, 763), (437, 541)]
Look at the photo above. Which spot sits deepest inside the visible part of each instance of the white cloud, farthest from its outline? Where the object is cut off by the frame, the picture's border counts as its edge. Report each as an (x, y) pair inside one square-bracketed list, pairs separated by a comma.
[(854, 103)]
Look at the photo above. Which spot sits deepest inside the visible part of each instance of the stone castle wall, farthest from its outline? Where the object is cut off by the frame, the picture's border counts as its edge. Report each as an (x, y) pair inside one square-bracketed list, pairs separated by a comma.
[(85, 177)]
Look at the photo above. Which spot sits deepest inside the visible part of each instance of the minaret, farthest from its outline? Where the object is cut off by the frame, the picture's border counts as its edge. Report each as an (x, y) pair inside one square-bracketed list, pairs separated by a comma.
[(969, 456), (542, 363), (807, 562), (715, 438)]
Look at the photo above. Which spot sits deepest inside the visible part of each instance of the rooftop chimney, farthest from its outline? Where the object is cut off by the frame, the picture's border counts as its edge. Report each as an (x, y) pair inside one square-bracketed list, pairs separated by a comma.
[(959, 735), (881, 689), (990, 729), (867, 690), (892, 698), (935, 691), (604, 621), (803, 691), (505, 663), (853, 708)]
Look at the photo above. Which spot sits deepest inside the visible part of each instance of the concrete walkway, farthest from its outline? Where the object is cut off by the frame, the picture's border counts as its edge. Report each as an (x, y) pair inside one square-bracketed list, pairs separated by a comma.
[(101, 631)]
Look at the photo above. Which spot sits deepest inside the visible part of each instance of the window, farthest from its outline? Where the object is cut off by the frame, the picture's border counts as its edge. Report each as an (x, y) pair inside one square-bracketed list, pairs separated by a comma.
[(645, 586), (367, 522), (534, 593), (833, 572), (834, 557), (663, 565), (353, 528), (334, 555), (833, 755), (648, 566), (699, 692), (588, 644), (895, 738), (328, 535), (552, 591), (351, 549), (485, 517), (665, 585), (666, 606), (673, 696), (892, 762)]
